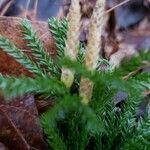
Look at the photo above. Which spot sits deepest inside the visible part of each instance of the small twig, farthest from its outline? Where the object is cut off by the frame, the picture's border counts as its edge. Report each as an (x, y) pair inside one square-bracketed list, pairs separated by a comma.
[(133, 73), (6, 7), (26, 10), (116, 6), (35, 8)]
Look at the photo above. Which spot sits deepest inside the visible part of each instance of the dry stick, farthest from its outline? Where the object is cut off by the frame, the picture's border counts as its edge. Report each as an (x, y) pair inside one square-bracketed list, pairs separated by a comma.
[(35, 8), (26, 10), (7, 6), (116, 6), (72, 42), (134, 72), (93, 47)]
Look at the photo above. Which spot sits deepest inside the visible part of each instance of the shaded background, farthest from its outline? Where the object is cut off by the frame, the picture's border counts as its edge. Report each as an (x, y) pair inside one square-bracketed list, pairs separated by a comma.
[(127, 15)]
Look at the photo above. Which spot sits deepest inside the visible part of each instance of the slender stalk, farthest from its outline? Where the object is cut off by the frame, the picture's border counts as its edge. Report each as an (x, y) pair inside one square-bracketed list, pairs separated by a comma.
[(93, 47), (71, 49)]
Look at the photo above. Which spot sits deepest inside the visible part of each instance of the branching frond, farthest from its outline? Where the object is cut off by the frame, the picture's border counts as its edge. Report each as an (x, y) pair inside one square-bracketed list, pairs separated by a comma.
[(59, 31), (12, 86), (19, 56), (141, 137), (42, 57)]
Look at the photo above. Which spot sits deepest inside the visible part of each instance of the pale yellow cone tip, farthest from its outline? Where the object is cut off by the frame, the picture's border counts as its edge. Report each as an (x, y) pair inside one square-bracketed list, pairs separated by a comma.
[(67, 77), (73, 33), (85, 99), (86, 90), (93, 47)]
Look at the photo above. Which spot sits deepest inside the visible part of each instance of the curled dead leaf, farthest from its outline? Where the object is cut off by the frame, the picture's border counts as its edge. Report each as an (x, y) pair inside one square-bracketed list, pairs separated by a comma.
[(20, 127)]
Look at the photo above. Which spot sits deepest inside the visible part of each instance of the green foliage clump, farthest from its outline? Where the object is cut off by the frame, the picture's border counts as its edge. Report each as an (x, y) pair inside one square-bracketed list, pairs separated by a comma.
[(69, 124)]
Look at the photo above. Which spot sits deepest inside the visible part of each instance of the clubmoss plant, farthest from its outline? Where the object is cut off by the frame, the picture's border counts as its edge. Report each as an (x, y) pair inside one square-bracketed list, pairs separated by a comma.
[(107, 122), (72, 42), (93, 48)]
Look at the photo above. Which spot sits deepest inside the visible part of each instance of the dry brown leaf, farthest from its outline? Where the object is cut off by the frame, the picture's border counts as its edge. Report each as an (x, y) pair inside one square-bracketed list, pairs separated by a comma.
[(20, 126)]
